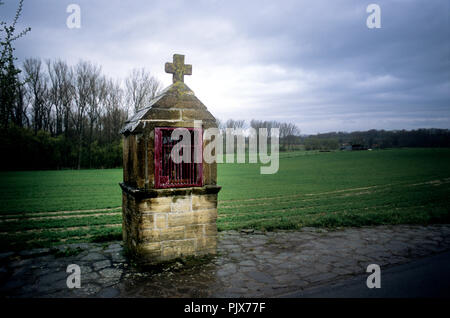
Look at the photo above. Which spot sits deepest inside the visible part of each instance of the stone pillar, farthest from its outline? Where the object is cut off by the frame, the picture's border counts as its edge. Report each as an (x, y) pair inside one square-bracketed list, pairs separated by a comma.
[(163, 224)]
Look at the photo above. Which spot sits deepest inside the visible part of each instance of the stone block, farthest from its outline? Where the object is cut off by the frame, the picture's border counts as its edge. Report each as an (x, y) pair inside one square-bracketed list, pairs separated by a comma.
[(161, 220), (172, 233), (181, 204), (149, 249), (201, 202), (155, 205), (177, 219), (157, 235), (172, 249), (147, 220), (207, 243), (194, 231), (210, 229), (149, 235), (205, 216)]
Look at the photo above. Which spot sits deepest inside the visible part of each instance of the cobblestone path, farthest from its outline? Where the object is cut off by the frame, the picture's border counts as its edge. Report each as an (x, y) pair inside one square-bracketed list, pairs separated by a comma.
[(248, 264)]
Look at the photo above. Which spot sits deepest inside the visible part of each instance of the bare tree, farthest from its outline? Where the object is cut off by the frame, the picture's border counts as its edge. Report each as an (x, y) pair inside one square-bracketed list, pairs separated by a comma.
[(83, 70), (236, 124), (60, 93), (256, 124), (140, 88), (67, 91), (97, 93), (19, 112), (37, 81), (114, 114), (81, 103), (288, 132), (220, 125)]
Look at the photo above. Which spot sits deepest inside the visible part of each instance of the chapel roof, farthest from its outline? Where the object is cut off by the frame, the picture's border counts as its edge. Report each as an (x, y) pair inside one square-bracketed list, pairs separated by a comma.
[(177, 96)]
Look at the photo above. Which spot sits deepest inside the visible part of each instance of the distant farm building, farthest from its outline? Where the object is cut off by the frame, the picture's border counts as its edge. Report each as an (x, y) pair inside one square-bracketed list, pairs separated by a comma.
[(350, 147)]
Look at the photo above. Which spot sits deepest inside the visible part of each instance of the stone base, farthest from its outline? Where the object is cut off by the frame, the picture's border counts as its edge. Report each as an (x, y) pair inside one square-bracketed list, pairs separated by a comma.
[(164, 224)]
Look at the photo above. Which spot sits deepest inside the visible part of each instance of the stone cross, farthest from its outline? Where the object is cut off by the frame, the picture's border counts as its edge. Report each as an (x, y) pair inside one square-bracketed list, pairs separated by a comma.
[(178, 68)]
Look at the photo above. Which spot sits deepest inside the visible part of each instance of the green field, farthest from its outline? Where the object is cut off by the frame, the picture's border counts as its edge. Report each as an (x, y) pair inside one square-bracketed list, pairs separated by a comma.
[(43, 208)]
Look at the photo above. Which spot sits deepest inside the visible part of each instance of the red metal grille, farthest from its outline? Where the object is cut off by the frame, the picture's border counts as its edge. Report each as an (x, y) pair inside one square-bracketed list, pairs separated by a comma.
[(169, 174)]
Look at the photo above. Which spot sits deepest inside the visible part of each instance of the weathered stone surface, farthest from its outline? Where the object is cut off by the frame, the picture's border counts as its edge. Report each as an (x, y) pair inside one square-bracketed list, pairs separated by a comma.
[(147, 220), (165, 114), (150, 249), (172, 249), (101, 264), (177, 219), (108, 293), (172, 233), (35, 252), (205, 216), (93, 257), (194, 231), (181, 204), (161, 220), (210, 229), (261, 277), (193, 114), (247, 265), (182, 221), (155, 205), (202, 202)]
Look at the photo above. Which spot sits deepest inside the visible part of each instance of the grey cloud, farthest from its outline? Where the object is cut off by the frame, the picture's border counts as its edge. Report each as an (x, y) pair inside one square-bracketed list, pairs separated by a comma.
[(312, 63)]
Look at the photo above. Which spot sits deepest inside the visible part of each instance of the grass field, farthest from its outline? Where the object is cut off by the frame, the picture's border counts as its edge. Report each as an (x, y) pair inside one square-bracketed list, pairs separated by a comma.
[(43, 208)]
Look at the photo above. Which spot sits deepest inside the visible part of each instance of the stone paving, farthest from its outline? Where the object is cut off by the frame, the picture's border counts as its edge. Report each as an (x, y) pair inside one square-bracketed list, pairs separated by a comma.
[(248, 264)]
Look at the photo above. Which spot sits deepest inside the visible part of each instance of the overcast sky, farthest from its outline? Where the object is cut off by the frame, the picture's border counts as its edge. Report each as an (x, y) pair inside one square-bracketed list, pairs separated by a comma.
[(313, 63)]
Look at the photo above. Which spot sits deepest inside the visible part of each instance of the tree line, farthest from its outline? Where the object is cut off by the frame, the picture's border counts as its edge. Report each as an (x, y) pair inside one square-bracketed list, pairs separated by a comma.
[(54, 115), (69, 116), (288, 132), (378, 139)]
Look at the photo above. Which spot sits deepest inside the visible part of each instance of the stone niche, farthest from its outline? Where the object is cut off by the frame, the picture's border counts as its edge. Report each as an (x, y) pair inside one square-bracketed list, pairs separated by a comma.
[(169, 210)]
